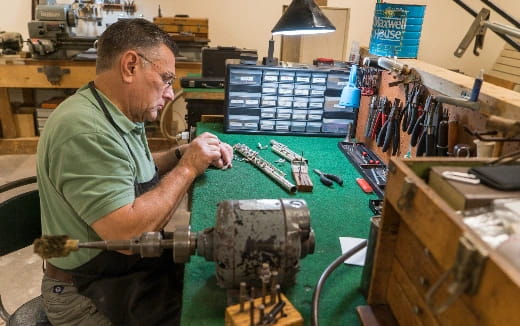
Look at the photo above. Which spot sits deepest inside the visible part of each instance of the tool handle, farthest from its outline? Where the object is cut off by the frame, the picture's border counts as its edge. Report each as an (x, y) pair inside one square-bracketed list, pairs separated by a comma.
[(388, 135), (382, 134), (325, 180), (453, 129), (375, 125), (416, 130), (334, 177), (396, 142), (411, 120), (430, 144), (442, 139), (406, 113), (421, 144)]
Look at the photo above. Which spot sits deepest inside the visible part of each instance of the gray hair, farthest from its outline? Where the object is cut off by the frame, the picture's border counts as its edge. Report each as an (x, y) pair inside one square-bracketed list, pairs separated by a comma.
[(129, 34)]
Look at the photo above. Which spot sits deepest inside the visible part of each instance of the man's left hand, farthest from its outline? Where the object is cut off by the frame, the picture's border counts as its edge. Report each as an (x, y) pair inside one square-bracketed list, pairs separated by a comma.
[(226, 157)]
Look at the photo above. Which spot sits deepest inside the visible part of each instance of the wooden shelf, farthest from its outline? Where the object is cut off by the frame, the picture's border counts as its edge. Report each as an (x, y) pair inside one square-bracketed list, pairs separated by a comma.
[(495, 100), (16, 72)]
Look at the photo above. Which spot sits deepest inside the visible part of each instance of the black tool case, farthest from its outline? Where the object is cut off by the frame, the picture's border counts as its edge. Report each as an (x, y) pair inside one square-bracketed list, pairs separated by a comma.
[(214, 59), (291, 101)]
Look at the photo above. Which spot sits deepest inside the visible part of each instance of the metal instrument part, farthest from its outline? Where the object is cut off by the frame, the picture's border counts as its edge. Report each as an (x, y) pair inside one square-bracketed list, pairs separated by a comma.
[(299, 167), (264, 166), (285, 152)]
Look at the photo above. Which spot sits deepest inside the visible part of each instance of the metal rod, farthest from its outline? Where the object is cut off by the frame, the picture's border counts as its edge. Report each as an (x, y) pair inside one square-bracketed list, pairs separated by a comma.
[(501, 28), (502, 13), (473, 13)]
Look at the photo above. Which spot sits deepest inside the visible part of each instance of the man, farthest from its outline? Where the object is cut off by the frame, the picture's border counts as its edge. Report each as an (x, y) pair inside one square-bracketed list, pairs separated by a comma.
[(98, 181)]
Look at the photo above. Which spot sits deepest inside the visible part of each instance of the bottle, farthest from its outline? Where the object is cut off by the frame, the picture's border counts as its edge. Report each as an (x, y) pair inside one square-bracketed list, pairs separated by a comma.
[(477, 84), (354, 53)]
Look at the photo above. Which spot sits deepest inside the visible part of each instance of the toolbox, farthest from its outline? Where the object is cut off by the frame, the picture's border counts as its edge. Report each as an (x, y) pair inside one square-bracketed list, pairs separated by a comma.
[(283, 100), (419, 246)]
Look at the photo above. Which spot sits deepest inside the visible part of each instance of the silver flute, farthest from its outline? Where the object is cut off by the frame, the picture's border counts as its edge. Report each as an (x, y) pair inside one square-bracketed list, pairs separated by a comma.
[(276, 174), (285, 152)]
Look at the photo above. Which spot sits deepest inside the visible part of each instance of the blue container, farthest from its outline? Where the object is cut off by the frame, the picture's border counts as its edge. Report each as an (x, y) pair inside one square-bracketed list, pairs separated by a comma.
[(396, 30)]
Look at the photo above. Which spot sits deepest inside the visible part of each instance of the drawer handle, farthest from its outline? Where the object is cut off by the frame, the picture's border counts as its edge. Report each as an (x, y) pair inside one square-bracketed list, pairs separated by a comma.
[(407, 194), (465, 272)]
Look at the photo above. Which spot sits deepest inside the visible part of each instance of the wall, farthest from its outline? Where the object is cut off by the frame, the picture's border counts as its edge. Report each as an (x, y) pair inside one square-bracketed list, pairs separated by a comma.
[(247, 24)]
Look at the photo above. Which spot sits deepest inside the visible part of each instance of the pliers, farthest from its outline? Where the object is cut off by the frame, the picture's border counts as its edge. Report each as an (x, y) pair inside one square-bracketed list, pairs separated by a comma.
[(327, 178)]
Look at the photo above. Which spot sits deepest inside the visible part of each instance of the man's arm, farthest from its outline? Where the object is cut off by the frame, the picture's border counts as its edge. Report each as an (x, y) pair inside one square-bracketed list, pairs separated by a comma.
[(167, 160), (152, 210)]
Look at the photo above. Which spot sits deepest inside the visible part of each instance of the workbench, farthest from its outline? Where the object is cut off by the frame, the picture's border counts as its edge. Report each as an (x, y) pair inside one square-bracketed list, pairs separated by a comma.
[(16, 72), (337, 211)]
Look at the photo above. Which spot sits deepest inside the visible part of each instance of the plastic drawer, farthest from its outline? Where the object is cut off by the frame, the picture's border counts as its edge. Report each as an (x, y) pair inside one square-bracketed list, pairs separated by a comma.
[(245, 76)]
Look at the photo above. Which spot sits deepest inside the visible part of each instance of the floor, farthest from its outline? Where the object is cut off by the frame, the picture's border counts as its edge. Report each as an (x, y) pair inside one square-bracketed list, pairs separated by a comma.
[(21, 270)]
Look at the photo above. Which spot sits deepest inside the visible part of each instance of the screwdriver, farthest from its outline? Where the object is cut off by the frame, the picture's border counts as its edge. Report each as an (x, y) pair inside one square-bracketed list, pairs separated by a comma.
[(327, 178)]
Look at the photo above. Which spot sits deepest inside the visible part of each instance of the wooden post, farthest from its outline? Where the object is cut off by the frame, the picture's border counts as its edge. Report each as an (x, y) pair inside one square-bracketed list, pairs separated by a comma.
[(6, 115)]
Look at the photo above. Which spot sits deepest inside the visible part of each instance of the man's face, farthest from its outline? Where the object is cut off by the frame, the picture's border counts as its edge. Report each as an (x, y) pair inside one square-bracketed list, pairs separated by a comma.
[(157, 69)]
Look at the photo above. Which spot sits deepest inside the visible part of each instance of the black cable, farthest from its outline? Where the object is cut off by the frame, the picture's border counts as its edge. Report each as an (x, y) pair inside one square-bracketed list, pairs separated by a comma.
[(17, 183), (323, 278)]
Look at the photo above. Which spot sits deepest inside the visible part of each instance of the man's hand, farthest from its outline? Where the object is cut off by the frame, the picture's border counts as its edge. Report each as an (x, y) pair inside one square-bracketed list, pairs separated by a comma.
[(206, 150), (226, 157)]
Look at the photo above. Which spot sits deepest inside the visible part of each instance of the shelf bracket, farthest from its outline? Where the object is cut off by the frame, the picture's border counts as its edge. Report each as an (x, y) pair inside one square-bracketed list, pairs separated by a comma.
[(54, 73)]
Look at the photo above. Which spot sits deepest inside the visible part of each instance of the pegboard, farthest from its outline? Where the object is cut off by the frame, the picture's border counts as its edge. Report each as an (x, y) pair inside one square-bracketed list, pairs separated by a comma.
[(474, 120)]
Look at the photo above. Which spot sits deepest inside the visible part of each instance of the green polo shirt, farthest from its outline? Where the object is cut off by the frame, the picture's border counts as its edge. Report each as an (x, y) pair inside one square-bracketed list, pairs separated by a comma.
[(86, 170)]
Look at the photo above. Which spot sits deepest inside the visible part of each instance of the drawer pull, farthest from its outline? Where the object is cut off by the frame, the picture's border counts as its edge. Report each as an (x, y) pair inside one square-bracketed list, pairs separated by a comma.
[(407, 194), (465, 276)]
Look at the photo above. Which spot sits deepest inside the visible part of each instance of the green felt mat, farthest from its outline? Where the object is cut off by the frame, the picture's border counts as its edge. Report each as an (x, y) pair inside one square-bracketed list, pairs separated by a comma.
[(340, 211)]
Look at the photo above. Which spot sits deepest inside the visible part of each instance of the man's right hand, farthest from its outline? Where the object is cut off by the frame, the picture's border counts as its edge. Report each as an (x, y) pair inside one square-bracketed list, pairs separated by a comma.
[(200, 153)]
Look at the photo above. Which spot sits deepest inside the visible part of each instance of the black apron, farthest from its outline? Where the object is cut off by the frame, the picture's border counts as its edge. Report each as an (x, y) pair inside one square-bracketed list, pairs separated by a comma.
[(128, 289)]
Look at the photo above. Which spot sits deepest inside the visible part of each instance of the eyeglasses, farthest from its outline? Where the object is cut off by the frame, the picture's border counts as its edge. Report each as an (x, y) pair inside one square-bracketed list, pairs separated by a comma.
[(167, 77)]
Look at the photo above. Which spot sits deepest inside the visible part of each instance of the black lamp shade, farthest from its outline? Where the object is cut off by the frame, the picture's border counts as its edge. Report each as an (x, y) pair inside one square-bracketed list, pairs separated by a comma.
[(303, 17)]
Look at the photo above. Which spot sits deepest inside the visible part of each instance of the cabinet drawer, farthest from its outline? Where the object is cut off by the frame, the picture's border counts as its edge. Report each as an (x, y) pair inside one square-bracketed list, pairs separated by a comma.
[(423, 271), (409, 200), (407, 305)]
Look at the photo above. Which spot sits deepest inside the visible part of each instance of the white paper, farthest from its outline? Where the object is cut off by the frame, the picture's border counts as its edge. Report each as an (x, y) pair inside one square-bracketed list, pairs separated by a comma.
[(348, 243)]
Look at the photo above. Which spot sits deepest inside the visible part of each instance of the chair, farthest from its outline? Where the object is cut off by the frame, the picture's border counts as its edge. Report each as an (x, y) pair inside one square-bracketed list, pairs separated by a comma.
[(21, 224)]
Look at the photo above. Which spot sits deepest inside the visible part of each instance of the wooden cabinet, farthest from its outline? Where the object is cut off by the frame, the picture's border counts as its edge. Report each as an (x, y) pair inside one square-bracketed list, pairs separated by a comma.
[(418, 244), (16, 72)]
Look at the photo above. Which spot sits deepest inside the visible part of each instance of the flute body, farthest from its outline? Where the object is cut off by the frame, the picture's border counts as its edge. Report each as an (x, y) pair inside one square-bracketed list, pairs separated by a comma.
[(266, 167)]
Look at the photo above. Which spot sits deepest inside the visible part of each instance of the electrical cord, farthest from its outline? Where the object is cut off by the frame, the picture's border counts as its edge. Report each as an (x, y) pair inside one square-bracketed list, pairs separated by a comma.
[(323, 278), (17, 183), (162, 123)]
